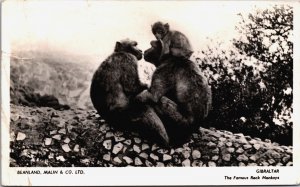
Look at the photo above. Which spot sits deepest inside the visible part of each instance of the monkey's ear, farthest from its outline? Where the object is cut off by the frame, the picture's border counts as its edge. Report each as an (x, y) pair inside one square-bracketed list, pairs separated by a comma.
[(167, 26), (118, 46)]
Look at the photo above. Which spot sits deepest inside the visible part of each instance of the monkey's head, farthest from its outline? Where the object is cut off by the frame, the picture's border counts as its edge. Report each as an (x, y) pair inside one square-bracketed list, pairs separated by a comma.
[(153, 54), (129, 46), (160, 30)]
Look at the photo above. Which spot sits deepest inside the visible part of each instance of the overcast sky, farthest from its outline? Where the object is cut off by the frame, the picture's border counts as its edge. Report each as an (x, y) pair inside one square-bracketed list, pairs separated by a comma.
[(93, 27)]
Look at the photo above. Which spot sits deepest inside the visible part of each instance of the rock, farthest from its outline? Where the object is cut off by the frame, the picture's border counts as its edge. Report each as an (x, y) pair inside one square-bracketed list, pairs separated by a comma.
[(226, 157), (154, 147), (242, 158), (136, 148), (127, 142), (137, 140), (248, 138), (144, 155), (172, 151), (117, 160), (279, 164), (85, 161), (117, 148), (186, 163), (76, 148), (228, 144), (252, 141), (162, 151), (267, 140), (258, 139), (57, 137), (48, 141), (289, 164), (119, 133), (137, 161), (160, 164), (197, 163), (211, 145), (179, 150), (154, 157), (67, 140), (256, 146), (241, 141), (264, 163), (212, 164), (271, 161), (166, 157), (145, 146), (148, 163), (109, 134), (222, 139), (54, 114), (254, 158), (286, 159), (247, 146), (128, 160), (215, 158), (53, 132), (220, 144), (240, 150), (230, 149), (275, 155), (119, 139), (62, 131), (216, 134), (51, 156), (60, 158), (186, 153), (21, 136), (66, 148), (242, 164), (196, 154), (106, 157), (239, 135), (206, 157), (107, 144)]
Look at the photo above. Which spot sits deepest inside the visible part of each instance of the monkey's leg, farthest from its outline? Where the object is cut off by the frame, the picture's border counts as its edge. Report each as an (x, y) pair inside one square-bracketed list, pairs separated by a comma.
[(150, 125)]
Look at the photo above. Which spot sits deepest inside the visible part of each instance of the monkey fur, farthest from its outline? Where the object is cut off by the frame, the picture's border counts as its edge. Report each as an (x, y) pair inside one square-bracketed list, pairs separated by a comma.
[(179, 92), (175, 43), (114, 87)]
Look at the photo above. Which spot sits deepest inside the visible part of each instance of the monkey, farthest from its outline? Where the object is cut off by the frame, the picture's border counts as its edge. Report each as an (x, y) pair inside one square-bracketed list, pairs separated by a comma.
[(175, 43), (179, 91), (114, 87)]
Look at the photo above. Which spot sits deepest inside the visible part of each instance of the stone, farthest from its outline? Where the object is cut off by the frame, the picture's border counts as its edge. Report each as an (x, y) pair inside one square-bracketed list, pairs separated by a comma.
[(211, 145), (222, 139), (206, 157), (242, 158), (216, 134), (247, 146), (136, 148), (166, 157), (137, 161), (196, 154), (186, 163), (57, 137), (197, 163), (144, 155), (128, 160), (271, 161), (275, 155), (148, 163), (220, 144), (145, 146), (48, 141), (240, 150), (279, 164), (117, 148), (286, 159), (117, 160), (53, 132), (127, 142), (252, 141), (137, 140), (107, 144), (60, 158), (119, 133), (264, 163), (85, 161), (267, 140), (254, 158), (154, 147), (230, 149), (242, 164), (239, 135), (256, 146), (228, 144), (109, 134), (162, 151), (212, 164), (106, 157), (258, 139), (186, 153), (226, 157), (248, 138), (179, 150), (289, 164), (160, 164), (67, 140), (215, 158), (66, 148), (154, 157), (119, 139), (62, 131), (172, 151), (76, 148), (21, 136)]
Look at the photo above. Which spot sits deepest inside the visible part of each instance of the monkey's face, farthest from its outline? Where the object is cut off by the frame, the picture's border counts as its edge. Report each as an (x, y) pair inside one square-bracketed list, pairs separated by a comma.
[(153, 54), (129, 46), (160, 30)]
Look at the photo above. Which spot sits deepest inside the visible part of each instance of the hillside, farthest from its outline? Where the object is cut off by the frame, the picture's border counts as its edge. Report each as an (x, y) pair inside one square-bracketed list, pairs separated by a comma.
[(42, 136)]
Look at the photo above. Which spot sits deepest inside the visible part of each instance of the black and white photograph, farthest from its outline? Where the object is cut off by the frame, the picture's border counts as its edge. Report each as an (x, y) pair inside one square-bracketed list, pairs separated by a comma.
[(112, 88)]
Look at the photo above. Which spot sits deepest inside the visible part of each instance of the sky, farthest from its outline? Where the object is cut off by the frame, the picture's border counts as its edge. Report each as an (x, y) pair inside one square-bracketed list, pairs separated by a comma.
[(93, 27)]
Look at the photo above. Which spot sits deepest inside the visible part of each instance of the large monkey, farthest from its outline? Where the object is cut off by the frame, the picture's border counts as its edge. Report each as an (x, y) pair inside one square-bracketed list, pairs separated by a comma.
[(175, 43), (179, 91), (114, 87)]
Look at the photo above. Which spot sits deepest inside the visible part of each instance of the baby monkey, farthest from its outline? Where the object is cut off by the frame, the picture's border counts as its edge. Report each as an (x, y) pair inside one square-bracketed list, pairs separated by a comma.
[(174, 42)]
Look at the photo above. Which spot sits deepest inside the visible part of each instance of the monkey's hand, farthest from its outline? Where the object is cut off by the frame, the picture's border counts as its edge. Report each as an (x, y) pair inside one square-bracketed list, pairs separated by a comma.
[(143, 97)]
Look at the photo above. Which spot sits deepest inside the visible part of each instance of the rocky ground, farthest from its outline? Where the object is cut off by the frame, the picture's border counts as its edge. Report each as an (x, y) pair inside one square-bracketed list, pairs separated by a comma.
[(47, 137)]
